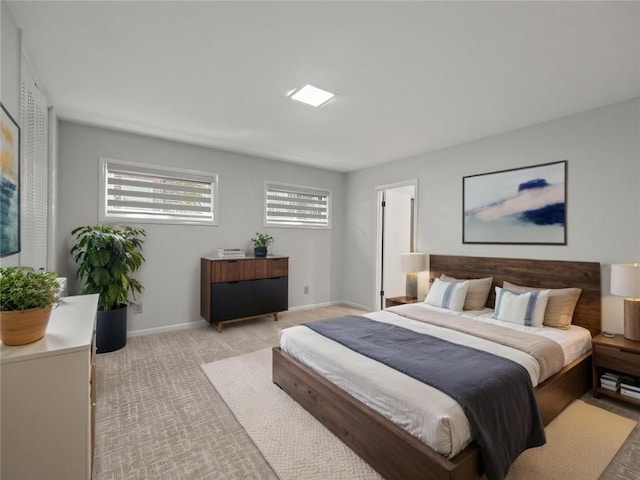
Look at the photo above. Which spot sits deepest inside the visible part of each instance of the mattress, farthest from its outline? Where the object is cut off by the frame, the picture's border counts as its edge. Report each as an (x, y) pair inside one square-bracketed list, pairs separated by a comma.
[(428, 414)]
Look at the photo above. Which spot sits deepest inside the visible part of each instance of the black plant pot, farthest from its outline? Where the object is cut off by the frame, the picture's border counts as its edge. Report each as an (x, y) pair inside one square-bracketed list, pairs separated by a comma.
[(260, 251), (111, 329)]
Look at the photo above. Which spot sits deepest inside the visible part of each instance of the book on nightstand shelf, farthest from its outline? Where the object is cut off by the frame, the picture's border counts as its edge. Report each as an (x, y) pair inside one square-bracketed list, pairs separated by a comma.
[(610, 381), (630, 386)]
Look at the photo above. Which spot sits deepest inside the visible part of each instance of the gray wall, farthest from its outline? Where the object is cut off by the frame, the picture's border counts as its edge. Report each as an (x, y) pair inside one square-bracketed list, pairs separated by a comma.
[(602, 147), (171, 273)]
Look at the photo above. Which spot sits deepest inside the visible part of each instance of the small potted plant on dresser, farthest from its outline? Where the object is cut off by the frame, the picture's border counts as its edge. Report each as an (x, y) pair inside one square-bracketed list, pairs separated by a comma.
[(260, 243), (106, 258), (26, 300)]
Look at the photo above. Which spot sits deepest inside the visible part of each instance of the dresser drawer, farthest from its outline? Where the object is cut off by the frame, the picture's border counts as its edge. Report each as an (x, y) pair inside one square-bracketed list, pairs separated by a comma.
[(237, 270), (277, 267), (617, 359)]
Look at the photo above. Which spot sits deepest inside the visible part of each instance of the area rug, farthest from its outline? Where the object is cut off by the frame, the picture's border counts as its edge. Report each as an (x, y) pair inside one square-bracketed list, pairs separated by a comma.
[(580, 442)]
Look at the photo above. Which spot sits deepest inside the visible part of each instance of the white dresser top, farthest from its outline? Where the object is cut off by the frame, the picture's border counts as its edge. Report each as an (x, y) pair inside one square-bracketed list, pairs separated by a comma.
[(70, 329)]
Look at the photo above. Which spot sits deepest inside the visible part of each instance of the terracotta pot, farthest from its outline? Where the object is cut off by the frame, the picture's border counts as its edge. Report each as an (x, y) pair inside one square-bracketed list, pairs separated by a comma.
[(24, 326)]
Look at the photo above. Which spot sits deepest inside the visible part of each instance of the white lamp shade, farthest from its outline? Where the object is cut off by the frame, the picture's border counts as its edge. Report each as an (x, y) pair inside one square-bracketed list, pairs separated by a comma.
[(625, 280), (412, 262)]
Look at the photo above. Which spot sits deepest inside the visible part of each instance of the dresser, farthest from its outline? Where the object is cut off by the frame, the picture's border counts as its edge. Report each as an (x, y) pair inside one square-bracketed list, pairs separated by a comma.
[(48, 398), (233, 290)]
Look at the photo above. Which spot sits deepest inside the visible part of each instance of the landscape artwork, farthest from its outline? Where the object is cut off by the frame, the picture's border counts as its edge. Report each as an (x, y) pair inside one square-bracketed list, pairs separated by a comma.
[(519, 206), (9, 185)]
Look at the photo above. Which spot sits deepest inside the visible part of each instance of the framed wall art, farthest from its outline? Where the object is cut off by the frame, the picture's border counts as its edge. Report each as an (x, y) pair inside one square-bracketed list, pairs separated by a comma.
[(9, 184), (519, 206)]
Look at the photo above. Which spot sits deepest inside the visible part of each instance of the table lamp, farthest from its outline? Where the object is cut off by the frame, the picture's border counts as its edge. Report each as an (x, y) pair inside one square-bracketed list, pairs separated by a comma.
[(625, 282), (411, 263)]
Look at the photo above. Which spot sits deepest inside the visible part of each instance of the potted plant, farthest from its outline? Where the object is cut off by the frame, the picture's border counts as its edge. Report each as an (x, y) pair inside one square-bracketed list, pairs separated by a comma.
[(260, 243), (106, 258), (26, 300)]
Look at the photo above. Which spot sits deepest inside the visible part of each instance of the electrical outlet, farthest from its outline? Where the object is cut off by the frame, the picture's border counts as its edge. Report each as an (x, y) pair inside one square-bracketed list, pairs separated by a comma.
[(135, 308), (306, 290)]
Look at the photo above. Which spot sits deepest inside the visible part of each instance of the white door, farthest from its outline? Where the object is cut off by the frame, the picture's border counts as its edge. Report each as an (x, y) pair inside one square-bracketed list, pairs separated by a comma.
[(396, 235)]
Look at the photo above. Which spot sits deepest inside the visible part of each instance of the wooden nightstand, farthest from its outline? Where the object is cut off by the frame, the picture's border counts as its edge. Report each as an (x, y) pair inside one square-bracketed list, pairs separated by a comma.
[(393, 301), (616, 355)]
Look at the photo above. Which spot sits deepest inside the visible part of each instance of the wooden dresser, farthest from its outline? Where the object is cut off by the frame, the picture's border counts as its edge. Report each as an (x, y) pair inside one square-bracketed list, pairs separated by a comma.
[(48, 397), (232, 290)]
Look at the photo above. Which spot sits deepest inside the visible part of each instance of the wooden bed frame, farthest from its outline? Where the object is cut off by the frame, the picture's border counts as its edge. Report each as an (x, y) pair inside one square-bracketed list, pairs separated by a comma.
[(391, 450)]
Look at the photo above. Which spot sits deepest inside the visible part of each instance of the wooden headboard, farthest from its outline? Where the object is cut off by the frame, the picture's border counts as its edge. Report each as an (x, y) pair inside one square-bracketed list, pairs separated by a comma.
[(531, 273)]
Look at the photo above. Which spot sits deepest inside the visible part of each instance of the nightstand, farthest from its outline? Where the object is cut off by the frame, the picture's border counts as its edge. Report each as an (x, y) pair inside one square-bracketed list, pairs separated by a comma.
[(616, 355), (393, 301)]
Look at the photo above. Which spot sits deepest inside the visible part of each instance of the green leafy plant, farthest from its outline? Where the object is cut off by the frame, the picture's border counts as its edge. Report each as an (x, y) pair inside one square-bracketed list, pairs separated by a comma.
[(262, 240), (23, 288), (107, 256)]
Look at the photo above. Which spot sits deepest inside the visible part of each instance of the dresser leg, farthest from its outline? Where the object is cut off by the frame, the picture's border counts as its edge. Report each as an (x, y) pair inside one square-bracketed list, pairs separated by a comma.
[(275, 316)]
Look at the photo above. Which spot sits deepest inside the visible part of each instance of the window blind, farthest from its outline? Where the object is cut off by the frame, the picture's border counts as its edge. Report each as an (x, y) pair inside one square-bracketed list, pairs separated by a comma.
[(156, 194), (34, 171), (296, 206)]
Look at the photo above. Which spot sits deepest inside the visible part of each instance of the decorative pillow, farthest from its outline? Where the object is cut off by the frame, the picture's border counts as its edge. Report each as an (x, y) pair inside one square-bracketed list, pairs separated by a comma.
[(521, 308), (560, 307), (447, 294), (477, 293)]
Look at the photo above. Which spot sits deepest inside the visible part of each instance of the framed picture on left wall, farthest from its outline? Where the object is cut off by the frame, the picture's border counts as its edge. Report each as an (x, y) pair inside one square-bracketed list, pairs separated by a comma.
[(9, 184)]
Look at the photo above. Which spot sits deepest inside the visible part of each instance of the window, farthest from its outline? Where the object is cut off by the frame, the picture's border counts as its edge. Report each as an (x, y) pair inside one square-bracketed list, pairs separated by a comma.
[(143, 193), (296, 206)]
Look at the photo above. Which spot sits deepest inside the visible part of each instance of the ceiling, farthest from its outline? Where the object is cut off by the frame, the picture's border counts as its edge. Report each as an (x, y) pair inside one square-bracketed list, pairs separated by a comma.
[(410, 77)]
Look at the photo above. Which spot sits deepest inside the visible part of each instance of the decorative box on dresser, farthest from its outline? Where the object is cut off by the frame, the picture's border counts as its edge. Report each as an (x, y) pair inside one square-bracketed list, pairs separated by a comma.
[(616, 355), (238, 289), (48, 398)]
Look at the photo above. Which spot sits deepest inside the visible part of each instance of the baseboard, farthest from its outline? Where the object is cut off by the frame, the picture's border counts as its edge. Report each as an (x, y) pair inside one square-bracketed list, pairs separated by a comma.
[(188, 325), (168, 328), (329, 304)]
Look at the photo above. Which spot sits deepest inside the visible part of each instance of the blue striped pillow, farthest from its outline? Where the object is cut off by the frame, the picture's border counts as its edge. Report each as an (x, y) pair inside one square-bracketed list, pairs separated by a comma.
[(521, 308), (448, 295)]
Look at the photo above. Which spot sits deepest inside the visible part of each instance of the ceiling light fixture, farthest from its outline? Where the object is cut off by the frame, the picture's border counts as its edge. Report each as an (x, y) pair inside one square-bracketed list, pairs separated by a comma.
[(311, 95)]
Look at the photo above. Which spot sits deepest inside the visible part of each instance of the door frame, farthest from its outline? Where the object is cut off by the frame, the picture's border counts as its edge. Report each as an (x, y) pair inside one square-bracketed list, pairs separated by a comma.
[(380, 189)]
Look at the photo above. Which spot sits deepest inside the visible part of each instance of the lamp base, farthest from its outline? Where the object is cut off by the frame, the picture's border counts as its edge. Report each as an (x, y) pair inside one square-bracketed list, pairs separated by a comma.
[(411, 289), (632, 319)]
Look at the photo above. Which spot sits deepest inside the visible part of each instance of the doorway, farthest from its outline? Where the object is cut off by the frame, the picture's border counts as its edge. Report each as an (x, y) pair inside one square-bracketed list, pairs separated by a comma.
[(396, 234)]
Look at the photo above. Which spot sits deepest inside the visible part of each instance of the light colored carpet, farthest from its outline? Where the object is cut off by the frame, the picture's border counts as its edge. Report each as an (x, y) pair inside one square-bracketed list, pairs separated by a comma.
[(580, 442), (159, 418)]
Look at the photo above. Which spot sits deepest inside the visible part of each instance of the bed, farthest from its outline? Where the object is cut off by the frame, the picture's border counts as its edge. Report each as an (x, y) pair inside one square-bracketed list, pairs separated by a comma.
[(393, 451)]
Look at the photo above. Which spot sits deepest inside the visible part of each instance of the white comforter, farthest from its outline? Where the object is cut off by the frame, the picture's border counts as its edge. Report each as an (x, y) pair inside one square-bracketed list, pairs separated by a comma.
[(423, 411)]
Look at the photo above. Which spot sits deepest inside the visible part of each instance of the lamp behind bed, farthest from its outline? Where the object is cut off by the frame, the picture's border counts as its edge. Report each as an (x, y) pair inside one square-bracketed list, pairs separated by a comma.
[(411, 263), (625, 282)]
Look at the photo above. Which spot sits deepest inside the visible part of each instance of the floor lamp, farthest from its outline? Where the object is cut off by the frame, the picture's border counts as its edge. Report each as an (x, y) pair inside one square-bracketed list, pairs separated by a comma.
[(625, 282), (411, 263)]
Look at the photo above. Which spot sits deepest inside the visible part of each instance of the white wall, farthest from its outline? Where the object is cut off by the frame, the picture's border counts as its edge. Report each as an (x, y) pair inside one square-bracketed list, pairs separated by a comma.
[(171, 273), (602, 147)]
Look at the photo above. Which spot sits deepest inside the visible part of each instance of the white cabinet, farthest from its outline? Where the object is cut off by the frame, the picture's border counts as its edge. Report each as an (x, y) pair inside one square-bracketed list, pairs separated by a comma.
[(48, 398)]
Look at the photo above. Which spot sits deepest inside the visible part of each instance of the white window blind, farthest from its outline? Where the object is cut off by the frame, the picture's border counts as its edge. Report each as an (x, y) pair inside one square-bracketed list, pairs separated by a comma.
[(151, 194), (297, 206), (34, 172)]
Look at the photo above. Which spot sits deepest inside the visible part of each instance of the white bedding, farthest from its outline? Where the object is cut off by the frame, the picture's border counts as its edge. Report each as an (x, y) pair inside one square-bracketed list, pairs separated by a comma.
[(432, 416)]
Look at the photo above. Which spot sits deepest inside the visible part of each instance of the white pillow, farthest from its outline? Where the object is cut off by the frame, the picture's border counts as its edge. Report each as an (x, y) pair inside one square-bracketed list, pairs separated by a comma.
[(477, 293), (449, 295), (521, 308)]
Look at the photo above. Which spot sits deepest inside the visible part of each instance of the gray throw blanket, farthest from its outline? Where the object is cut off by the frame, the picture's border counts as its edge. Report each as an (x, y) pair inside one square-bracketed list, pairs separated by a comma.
[(548, 353), (496, 394)]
